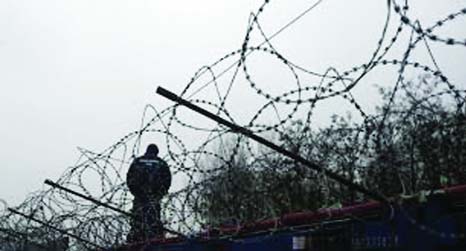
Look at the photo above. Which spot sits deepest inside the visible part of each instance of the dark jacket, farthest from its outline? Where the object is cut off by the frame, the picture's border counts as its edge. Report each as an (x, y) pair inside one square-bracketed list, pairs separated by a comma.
[(148, 178)]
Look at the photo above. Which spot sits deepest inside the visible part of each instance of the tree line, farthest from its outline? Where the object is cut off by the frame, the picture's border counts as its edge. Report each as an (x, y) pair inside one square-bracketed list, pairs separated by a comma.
[(415, 141)]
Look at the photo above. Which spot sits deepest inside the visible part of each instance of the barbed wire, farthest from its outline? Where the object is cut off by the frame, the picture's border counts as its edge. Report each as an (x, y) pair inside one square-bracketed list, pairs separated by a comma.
[(224, 179)]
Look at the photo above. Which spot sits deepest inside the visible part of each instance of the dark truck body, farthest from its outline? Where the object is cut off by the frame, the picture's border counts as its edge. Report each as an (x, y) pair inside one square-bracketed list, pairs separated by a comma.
[(436, 223)]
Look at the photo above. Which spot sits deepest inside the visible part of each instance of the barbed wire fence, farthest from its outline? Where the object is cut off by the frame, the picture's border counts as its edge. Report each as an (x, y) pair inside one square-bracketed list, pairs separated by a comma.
[(214, 167)]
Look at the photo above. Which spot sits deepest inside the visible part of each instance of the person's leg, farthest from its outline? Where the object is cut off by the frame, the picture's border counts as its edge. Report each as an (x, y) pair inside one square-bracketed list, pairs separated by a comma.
[(158, 221), (153, 218), (136, 232)]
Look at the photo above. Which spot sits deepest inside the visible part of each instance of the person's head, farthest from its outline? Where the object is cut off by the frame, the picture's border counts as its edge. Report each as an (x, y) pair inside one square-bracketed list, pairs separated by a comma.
[(152, 150)]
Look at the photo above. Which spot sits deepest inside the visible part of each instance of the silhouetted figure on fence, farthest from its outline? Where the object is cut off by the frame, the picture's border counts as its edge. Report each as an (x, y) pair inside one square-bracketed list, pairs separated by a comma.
[(148, 179)]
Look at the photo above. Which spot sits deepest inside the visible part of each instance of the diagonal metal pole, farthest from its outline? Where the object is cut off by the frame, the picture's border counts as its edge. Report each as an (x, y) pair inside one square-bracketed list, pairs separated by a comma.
[(246, 132), (55, 185), (55, 228)]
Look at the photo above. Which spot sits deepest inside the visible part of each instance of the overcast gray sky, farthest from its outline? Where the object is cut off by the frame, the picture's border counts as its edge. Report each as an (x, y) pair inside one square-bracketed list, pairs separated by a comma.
[(79, 73)]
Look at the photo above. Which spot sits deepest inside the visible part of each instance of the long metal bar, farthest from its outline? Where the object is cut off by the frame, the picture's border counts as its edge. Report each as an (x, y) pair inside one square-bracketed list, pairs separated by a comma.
[(54, 228), (55, 185), (236, 128)]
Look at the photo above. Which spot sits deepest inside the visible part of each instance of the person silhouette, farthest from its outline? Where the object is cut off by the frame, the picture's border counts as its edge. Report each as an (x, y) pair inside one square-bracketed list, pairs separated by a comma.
[(148, 180)]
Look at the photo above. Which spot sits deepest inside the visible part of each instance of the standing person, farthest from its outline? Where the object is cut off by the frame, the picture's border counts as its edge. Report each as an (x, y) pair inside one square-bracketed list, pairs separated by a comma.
[(148, 179)]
